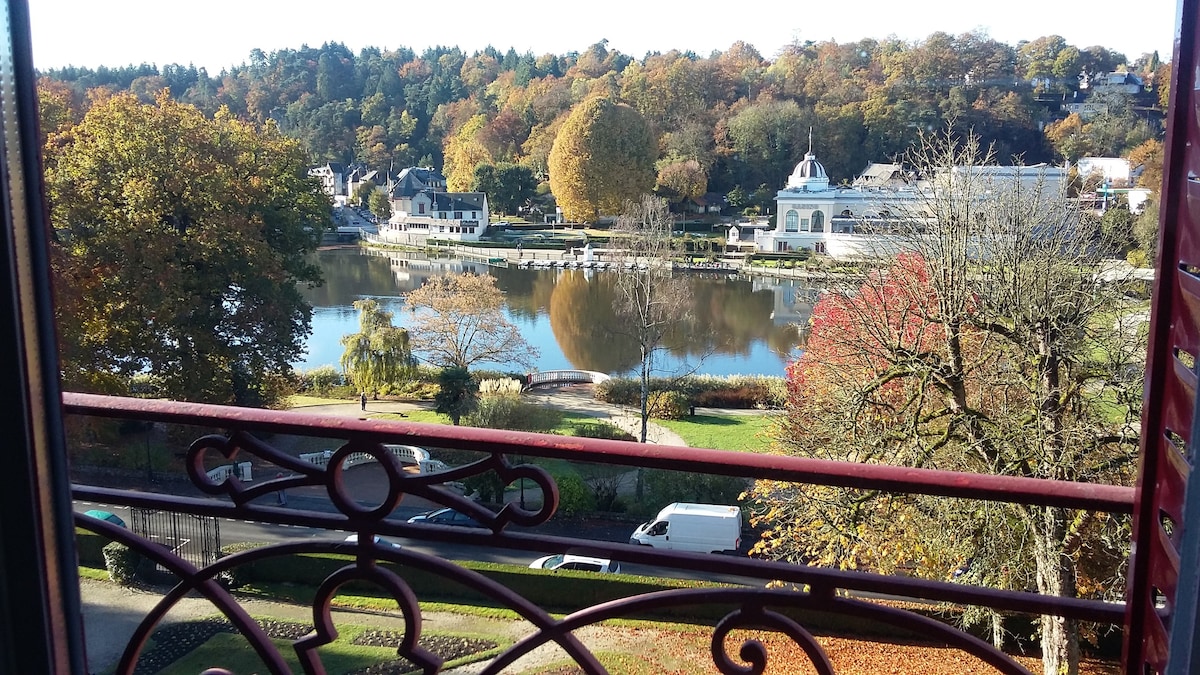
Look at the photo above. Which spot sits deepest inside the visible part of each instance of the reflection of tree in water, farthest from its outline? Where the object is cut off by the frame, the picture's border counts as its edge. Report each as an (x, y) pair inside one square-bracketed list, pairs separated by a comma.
[(527, 293), (727, 317), (349, 275), (585, 324)]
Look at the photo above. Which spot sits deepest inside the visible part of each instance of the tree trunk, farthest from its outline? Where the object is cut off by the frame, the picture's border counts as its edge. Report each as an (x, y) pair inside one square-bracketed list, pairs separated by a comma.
[(1056, 576), (645, 396), (639, 489), (997, 630)]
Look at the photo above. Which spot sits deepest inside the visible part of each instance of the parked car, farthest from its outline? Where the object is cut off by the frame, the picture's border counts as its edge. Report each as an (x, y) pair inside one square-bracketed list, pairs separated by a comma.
[(575, 562), (105, 515), (445, 517), (379, 541)]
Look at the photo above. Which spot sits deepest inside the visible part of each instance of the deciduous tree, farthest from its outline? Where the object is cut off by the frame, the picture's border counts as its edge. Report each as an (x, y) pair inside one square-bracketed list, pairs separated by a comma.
[(603, 153), (650, 301), (508, 186), (459, 321), (379, 205), (379, 353), (180, 243), (989, 347), (682, 180)]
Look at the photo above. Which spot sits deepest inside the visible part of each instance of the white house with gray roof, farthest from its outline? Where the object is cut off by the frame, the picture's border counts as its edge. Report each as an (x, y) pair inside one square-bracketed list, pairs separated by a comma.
[(422, 210)]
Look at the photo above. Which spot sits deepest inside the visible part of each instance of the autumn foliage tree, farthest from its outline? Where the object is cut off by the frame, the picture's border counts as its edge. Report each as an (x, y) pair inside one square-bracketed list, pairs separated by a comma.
[(603, 153), (988, 346), (458, 321), (180, 243)]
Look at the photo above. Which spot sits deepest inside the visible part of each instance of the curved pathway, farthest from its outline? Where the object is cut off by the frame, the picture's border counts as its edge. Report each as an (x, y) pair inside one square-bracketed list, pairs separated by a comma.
[(577, 399)]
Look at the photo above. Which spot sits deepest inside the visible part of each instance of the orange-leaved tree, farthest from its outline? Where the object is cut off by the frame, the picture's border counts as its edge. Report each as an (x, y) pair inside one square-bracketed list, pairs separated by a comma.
[(992, 345)]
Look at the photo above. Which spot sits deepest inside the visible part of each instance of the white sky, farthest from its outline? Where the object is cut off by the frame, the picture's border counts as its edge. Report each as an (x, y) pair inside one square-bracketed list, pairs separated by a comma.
[(216, 34)]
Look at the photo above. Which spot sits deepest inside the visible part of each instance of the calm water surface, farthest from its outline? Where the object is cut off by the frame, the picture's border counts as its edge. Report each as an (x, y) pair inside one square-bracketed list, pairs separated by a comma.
[(737, 325)]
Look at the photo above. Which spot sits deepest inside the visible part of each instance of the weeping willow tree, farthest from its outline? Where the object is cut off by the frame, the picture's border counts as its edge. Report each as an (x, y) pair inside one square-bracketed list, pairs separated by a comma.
[(379, 353)]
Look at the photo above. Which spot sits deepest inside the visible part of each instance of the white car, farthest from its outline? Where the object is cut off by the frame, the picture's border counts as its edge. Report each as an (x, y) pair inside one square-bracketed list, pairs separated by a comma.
[(379, 541), (575, 562)]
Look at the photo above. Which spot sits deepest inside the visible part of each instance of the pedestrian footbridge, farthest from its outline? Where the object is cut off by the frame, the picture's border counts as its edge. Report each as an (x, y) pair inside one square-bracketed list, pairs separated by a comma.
[(554, 378)]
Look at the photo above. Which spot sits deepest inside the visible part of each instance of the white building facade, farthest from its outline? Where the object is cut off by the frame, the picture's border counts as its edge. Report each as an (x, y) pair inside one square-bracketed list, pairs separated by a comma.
[(422, 210), (866, 219)]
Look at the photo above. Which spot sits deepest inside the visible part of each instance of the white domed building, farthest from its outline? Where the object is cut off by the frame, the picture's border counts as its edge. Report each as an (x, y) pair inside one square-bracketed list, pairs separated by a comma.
[(843, 221), (864, 219)]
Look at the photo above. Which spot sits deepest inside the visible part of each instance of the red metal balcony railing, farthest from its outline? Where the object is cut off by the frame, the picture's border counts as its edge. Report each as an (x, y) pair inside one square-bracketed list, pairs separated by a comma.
[(755, 607)]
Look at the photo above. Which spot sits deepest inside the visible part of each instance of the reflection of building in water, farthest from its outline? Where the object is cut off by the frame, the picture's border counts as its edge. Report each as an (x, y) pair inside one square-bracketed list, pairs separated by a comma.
[(410, 269), (793, 300)]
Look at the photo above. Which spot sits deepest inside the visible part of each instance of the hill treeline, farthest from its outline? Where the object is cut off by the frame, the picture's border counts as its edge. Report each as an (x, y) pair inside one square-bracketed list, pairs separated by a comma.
[(744, 119)]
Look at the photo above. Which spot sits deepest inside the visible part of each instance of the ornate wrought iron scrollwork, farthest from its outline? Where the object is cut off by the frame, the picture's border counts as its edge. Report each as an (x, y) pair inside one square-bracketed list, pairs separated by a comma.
[(399, 483), (754, 652), (325, 632)]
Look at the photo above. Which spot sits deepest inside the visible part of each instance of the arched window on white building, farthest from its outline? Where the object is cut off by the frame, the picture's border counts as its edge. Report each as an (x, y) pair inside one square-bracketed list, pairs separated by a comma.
[(818, 222), (791, 221)]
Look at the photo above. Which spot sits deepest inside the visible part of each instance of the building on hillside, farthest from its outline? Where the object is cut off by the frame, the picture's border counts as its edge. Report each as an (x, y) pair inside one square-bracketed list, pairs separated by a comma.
[(360, 175), (866, 218), (333, 180), (1116, 82), (1112, 170), (422, 209)]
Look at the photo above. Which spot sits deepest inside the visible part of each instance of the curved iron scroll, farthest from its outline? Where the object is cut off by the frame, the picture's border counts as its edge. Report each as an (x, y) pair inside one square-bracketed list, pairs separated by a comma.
[(331, 477), (752, 613)]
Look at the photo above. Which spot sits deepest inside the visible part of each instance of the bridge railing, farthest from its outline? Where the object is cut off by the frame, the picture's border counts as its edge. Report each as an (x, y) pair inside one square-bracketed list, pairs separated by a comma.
[(244, 431), (551, 377)]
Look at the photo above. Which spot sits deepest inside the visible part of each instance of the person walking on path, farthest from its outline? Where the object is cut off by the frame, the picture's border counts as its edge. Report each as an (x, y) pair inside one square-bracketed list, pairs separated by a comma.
[(362, 400)]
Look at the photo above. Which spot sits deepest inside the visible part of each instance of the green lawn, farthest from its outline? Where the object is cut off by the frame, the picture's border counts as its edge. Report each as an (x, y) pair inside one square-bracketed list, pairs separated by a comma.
[(230, 651), (743, 433), (424, 416)]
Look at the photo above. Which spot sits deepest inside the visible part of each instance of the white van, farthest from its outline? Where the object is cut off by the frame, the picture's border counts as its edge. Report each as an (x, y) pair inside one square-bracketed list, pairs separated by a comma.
[(703, 528)]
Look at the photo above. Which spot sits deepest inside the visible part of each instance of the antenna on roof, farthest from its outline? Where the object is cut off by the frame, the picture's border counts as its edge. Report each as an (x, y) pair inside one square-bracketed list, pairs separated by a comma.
[(810, 140)]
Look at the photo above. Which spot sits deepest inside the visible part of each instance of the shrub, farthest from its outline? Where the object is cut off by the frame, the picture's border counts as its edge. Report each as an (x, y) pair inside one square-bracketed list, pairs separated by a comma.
[(89, 547), (239, 576), (506, 385), (668, 405), (619, 391), (734, 391), (599, 429), (121, 562), (574, 497), (510, 411), (664, 487)]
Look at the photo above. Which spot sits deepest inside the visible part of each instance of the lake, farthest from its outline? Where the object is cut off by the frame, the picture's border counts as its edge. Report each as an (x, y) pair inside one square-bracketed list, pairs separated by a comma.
[(737, 325)]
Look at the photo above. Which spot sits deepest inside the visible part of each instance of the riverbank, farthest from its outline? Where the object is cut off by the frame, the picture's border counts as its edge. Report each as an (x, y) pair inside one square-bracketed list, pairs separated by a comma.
[(577, 258)]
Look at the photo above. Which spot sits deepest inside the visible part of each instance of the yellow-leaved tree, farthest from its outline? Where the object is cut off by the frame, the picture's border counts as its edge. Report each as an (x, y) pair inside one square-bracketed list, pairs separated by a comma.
[(603, 155), (463, 153)]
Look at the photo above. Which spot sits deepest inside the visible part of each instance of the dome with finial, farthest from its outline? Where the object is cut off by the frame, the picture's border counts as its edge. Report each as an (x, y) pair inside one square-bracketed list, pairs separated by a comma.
[(809, 175)]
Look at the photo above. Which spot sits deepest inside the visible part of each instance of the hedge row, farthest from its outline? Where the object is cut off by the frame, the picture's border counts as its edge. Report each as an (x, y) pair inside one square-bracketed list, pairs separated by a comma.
[(563, 591), (733, 391), (89, 548)]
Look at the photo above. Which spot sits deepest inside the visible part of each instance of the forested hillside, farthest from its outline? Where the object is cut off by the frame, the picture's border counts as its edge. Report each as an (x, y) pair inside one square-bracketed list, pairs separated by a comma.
[(742, 118)]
